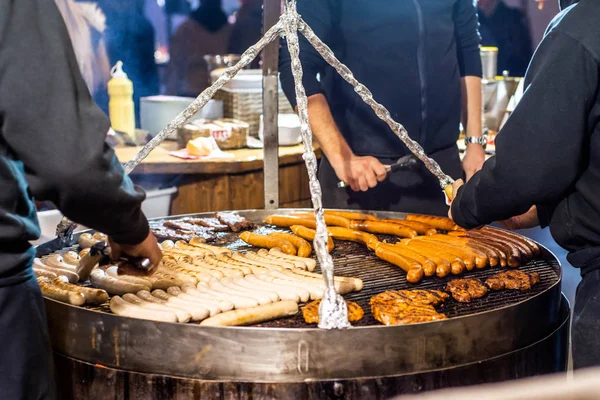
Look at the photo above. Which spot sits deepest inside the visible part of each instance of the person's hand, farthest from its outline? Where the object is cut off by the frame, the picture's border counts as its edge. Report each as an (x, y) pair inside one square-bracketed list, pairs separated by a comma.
[(360, 173), (473, 159), (455, 186), (149, 248), (524, 221)]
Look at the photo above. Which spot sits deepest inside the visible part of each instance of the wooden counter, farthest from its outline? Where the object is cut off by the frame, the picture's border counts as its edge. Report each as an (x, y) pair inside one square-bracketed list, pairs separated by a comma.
[(222, 184)]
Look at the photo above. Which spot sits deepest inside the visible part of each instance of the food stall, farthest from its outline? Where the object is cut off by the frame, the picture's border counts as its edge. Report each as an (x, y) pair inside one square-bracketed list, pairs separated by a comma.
[(231, 313)]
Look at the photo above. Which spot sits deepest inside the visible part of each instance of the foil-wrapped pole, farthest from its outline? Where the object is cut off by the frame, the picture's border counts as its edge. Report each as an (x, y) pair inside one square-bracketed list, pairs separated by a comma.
[(333, 312), (382, 112), (65, 228)]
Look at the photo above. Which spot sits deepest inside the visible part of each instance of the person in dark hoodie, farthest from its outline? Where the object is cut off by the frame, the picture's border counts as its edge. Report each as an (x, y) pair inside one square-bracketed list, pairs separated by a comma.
[(546, 169), (416, 57), (205, 32), (52, 147)]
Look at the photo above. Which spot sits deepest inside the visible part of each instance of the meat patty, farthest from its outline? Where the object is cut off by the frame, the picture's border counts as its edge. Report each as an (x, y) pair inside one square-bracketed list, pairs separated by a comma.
[(211, 223), (191, 229), (399, 307), (310, 312), (465, 290), (513, 280), (234, 221)]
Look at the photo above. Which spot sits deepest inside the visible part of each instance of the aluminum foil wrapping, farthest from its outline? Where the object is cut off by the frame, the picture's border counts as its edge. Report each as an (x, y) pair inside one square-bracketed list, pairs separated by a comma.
[(366, 95), (333, 312)]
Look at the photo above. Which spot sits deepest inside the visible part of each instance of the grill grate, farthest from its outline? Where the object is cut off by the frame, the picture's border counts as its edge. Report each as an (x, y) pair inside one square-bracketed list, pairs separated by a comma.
[(355, 260)]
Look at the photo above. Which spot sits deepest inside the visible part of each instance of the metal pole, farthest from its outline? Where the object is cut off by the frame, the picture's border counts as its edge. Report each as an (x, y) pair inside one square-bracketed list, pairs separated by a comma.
[(270, 61)]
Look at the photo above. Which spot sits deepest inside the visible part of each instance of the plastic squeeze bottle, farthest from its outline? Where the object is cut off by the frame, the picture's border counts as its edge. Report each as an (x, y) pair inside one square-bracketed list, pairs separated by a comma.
[(120, 105)]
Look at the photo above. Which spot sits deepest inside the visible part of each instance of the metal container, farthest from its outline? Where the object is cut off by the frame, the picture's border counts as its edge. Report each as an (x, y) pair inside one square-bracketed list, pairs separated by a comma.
[(504, 337), (489, 62)]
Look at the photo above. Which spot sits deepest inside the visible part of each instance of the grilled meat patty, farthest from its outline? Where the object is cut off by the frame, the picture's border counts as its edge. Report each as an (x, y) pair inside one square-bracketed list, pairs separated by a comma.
[(513, 280), (310, 312), (212, 223), (465, 290), (234, 221), (399, 307), (191, 229)]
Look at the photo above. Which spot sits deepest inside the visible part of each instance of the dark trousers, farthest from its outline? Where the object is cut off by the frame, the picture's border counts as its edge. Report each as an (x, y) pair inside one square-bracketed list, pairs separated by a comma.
[(585, 331), (412, 190), (26, 370)]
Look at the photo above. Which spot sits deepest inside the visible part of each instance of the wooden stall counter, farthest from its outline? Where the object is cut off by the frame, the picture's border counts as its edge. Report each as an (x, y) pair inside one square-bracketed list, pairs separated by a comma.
[(221, 184)]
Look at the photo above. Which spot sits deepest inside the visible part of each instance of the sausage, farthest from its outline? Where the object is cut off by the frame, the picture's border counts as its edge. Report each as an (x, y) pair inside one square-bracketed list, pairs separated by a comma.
[(138, 280), (223, 305), (194, 252), (100, 237), (524, 250), (481, 259), (311, 264), (223, 266), (414, 270), (215, 249), (343, 285), (72, 276), (499, 250), (56, 261), (340, 233), (281, 292), (263, 256), (304, 248), (86, 240), (513, 255), (289, 220), (227, 272), (272, 296), (125, 309), (330, 220), (351, 215), (185, 300), (429, 267), (533, 246), (71, 258), (428, 249), (253, 315), (182, 315), (201, 266), (238, 300), (236, 291), (309, 234), (241, 265), (258, 240), (189, 279), (384, 228), (443, 267), (44, 273), (253, 258), (56, 293), (92, 296), (315, 290), (462, 253), (445, 224), (302, 292), (419, 227), (84, 253), (197, 312), (114, 286), (356, 283)]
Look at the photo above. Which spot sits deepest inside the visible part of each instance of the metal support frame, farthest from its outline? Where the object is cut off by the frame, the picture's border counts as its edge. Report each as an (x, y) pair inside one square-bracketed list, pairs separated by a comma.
[(270, 63)]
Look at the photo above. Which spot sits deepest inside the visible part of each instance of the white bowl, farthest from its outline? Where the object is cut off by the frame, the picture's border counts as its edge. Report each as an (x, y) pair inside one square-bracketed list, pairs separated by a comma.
[(289, 130)]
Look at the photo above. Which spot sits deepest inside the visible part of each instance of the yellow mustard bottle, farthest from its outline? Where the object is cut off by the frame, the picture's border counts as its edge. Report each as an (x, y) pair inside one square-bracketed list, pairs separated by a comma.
[(120, 105)]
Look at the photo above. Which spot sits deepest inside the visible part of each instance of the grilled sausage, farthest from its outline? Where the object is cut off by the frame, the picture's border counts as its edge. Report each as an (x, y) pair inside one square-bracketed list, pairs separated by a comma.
[(311, 264), (54, 292), (138, 280), (114, 286), (414, 270), (72, 276), (215, 249), (100, 237), (223, 266), (428, 249), (44, 273), (465, 255), (84, 252), (419, 227), (340, 233), (196, 311), (56, 261), (182, 315), (316, 289), (185, 300), (71, 258), (309, 234), (304, 248), (357, 283), (86, 240), (253, 315), (92, 296), (445, 224), (330, 220), (238, 300), (263, 257), (224, 305), (289, 220), (352, 215), (258, 264), (260, 298), (443, 267), (384, 228), (481, 259), (258, 240), (513, 255), (272, 296), (261, 285), (429, 267), (301, 292), (125, 309), (533, 246)]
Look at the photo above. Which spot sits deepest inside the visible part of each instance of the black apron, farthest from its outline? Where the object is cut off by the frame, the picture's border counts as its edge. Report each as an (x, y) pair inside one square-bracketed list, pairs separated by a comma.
[(586, 322), (26, 370), (412, 189)]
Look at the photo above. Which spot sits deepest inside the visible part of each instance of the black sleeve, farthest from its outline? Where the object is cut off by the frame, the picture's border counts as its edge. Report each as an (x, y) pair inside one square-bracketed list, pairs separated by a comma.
[(317, 14), (540, 149), (466, 33), (521, 44), (51, 124)]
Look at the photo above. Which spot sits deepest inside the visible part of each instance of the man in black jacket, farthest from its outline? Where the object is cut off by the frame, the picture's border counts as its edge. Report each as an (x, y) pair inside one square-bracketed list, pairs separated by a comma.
[(415, 56), (52, 147), (547, 165)]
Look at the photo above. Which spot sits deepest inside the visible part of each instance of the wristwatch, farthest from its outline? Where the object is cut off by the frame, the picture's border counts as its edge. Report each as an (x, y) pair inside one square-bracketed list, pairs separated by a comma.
[(481, 140)]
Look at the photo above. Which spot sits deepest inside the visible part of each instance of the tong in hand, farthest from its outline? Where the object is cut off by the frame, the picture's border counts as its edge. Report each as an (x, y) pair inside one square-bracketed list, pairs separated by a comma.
[(407, 162)]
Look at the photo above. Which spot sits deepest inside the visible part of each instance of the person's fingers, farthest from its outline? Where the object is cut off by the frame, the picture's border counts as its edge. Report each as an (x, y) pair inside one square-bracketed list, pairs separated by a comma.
[(379, 170), (363, 184), (455, 186), (371, 178)]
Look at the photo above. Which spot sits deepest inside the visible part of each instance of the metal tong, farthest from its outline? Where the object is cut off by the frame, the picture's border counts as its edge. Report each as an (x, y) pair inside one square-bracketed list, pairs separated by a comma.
[(101, 250), (406, 162)]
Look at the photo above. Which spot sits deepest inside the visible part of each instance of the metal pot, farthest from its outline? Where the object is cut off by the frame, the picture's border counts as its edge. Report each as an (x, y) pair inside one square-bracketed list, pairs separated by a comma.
[(489, 62)]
